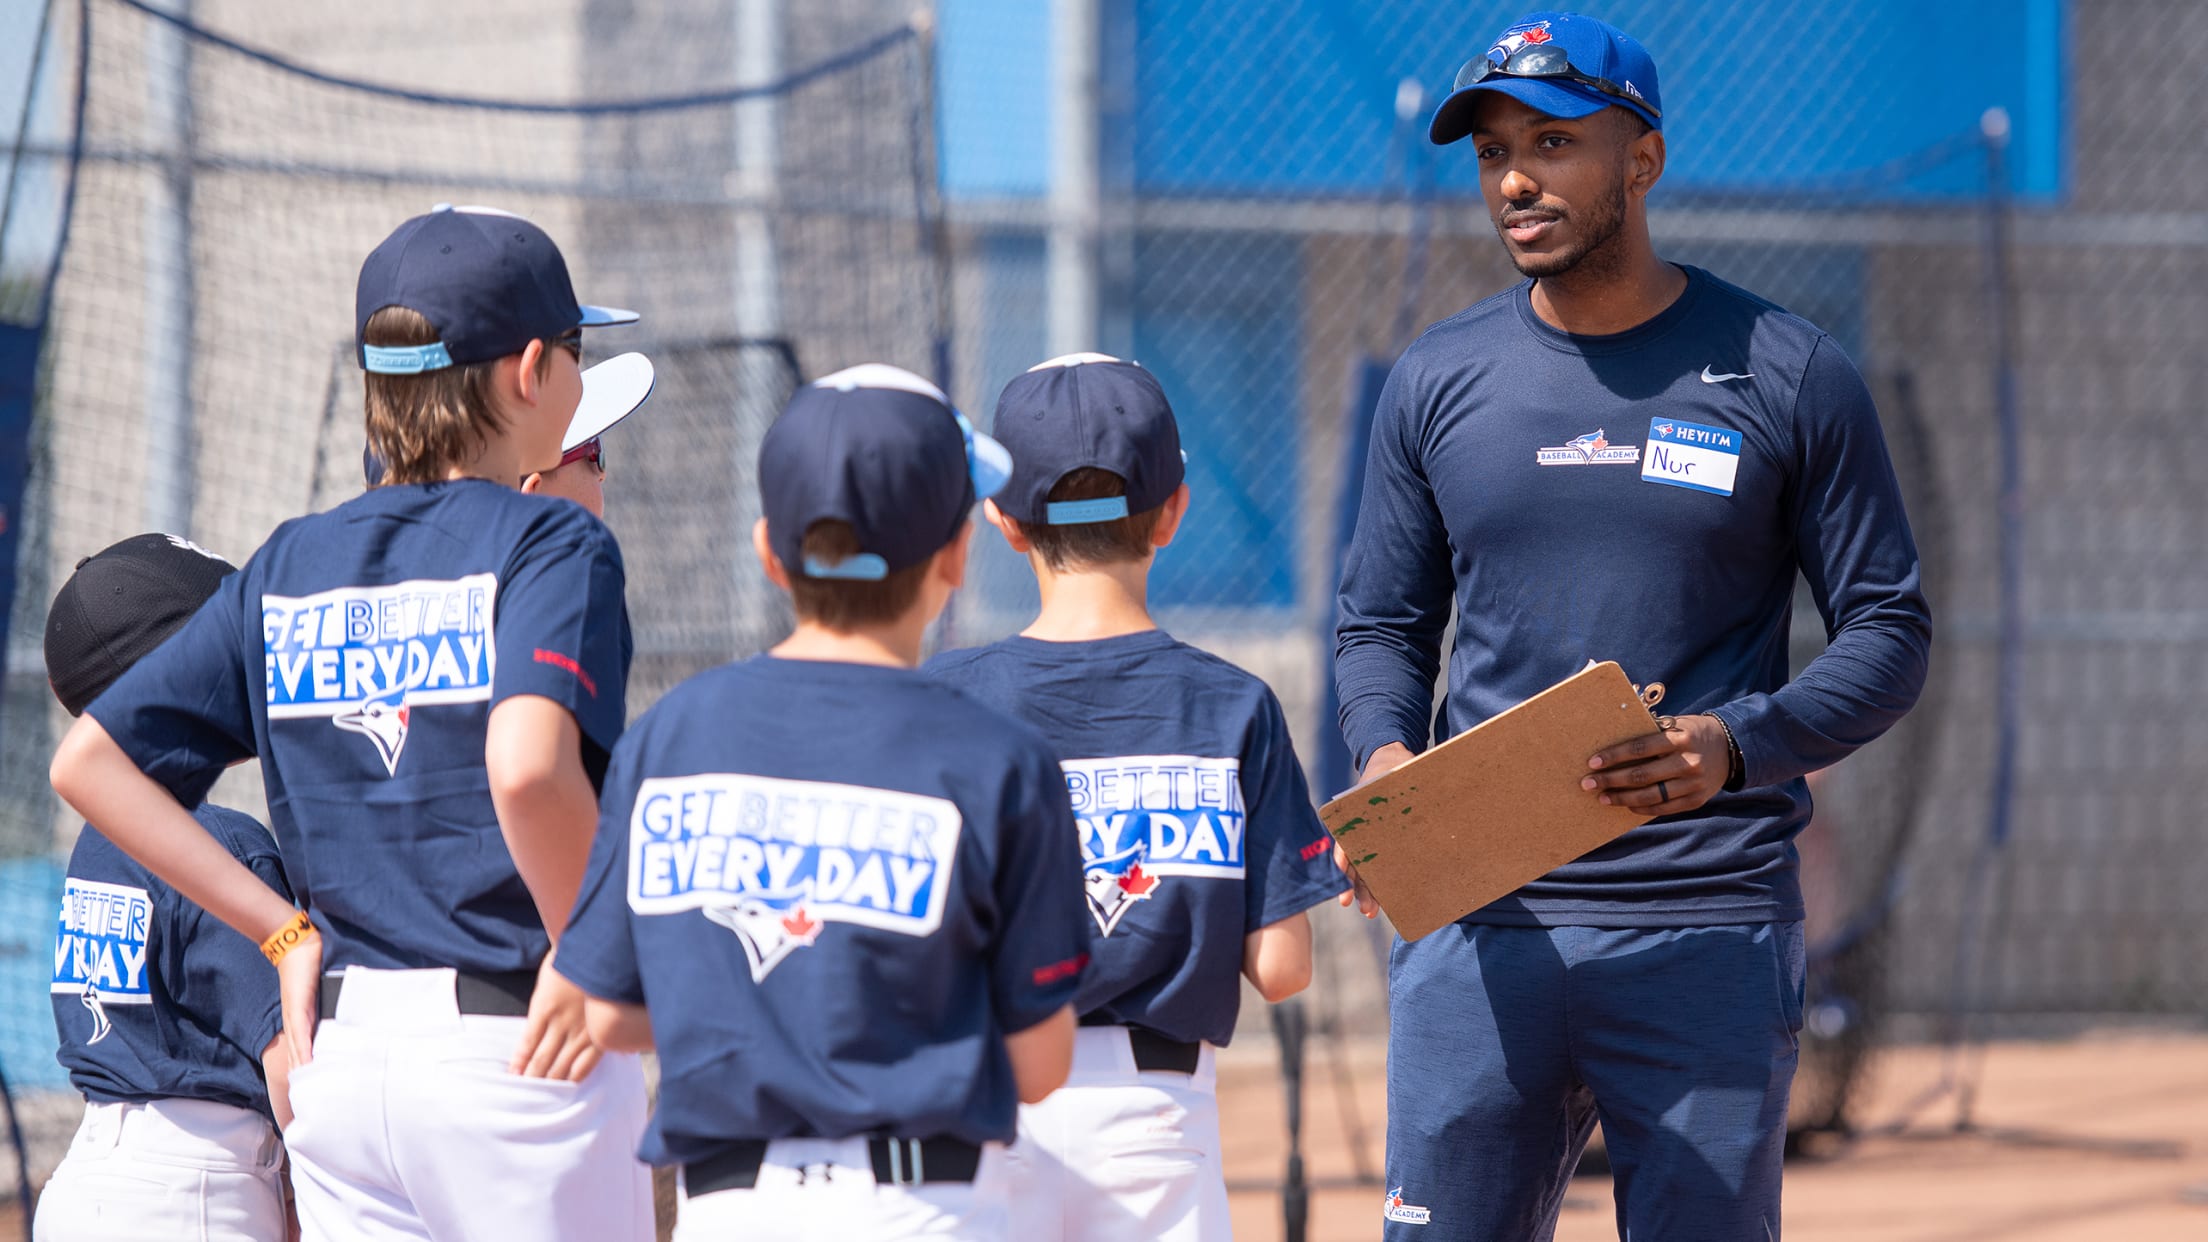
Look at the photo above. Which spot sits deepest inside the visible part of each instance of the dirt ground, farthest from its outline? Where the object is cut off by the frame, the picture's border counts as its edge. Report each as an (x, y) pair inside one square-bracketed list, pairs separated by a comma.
[(2098, 1139)]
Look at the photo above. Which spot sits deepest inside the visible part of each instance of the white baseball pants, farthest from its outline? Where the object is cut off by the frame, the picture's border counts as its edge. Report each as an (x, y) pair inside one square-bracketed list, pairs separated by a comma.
[(823, 1190), (408, 1125), (169, 1171), (1119, 1154)]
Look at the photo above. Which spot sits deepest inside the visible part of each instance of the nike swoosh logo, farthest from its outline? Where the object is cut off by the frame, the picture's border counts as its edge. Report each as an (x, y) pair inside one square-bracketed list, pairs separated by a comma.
[(1708, 378)]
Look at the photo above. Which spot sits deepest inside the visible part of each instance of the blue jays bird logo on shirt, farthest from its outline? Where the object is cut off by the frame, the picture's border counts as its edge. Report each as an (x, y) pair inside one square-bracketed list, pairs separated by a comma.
[(1116, 883), (1592, 449), (1144, 818), (771, 925), (100, 948), (366, 657), (100, 1024), (777, 862)]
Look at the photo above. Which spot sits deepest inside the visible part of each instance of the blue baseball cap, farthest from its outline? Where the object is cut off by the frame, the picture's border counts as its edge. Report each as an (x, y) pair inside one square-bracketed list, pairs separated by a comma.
[(883, 450), (489, 281), (1087, 411), (1560, 64)]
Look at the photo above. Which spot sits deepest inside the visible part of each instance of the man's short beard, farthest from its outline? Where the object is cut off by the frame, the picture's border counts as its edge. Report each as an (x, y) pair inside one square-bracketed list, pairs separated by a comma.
[(1603, 220)]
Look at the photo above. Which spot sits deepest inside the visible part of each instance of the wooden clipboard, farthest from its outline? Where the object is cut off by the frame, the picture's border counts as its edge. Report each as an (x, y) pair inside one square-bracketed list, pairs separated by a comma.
[(1481, 815)]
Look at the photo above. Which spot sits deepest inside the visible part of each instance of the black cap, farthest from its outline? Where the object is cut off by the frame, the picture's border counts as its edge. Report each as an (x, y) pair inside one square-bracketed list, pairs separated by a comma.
[(120, 604), (489, 281), (882, 449), (1087, 411)]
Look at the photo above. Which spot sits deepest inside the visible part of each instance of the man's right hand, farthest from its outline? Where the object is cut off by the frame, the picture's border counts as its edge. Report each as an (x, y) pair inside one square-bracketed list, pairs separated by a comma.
[(1384, 760)]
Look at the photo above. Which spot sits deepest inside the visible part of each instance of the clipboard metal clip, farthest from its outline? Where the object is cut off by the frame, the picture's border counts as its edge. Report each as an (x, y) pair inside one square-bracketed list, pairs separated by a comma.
[(1650, 697)]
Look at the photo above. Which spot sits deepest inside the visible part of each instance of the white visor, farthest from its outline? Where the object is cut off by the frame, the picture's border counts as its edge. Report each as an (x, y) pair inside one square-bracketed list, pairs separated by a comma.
[(611, 391)]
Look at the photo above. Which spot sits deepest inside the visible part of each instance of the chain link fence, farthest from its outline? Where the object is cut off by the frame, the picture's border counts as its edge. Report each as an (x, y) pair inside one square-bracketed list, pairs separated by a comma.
[(757, 179)]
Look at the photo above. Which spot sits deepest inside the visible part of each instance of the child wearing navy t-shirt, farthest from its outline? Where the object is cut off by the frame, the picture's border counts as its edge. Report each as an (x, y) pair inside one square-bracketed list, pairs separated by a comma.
[(432, 675), (1201, 848), (166, 1017), (840, 898)]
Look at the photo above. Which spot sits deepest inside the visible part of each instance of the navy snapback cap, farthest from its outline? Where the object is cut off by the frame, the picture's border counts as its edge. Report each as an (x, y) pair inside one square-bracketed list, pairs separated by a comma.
[(1564, 65), (883, 450), (487, 280), (1087, 411)]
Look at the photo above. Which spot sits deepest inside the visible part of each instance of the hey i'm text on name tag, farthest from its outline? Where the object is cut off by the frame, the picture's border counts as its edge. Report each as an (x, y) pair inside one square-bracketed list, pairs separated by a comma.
[(1690, 455)]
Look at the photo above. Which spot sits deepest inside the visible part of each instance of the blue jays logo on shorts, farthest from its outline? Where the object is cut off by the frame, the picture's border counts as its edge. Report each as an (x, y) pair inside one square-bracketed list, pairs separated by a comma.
[(366, 657), (100, 948), (1393, 1208), (777, 861), (1146, 817)]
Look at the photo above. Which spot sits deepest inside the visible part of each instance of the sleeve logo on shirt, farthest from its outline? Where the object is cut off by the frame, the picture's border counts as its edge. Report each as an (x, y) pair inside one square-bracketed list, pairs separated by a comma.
[(1592, 449), (775, 862), (100, 948), (366, 657), (1146, 817)]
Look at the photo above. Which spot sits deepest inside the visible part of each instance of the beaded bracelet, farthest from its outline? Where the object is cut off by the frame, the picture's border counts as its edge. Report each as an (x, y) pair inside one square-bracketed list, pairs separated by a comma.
[(1736, 767)]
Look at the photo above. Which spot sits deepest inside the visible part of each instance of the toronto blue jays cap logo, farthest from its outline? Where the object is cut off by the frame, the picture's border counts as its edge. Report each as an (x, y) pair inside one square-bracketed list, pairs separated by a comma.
[(1517, 39)]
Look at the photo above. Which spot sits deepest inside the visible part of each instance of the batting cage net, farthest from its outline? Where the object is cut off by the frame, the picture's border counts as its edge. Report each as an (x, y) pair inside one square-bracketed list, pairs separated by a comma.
[(757, 181), (2010, 244)]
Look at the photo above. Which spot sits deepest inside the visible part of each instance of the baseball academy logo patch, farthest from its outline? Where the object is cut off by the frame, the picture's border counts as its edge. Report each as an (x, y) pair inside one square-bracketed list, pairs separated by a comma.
[(100, 948), (1144, 818), (366, 657), (777, 862), (1592, 449), (1393, 1208)]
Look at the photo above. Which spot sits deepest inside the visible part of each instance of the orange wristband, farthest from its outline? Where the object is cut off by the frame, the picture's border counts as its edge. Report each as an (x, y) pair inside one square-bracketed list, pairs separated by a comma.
[(286, 938)]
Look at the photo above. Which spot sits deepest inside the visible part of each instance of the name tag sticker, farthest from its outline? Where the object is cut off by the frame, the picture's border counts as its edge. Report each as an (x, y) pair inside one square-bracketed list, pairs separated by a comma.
[(1691, 455)]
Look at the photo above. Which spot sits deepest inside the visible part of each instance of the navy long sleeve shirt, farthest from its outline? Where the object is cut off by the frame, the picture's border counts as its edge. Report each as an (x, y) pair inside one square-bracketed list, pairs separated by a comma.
[(1645, 497)]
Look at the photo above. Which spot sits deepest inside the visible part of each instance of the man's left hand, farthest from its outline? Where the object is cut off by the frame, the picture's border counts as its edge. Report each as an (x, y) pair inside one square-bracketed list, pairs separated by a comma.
[(1664, 773)]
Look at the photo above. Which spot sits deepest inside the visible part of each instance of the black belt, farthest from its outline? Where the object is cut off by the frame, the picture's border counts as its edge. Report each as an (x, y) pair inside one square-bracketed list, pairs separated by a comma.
[(488, 996), (1154, 1052), (897, 1162)]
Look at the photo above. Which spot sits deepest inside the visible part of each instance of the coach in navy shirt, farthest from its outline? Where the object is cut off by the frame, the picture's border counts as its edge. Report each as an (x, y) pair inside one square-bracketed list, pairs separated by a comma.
[(1619, 459)]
